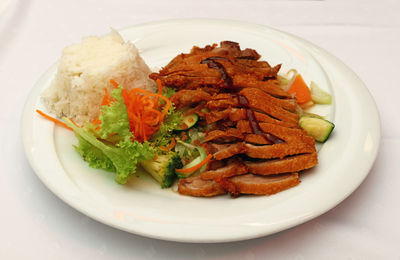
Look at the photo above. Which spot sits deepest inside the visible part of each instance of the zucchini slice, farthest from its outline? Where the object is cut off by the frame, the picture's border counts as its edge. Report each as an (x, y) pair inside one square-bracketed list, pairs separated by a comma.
[(316, 127), (318, 95), (194, 162), (188, 122)]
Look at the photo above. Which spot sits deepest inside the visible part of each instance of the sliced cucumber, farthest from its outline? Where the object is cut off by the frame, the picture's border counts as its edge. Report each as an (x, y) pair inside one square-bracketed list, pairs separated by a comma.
[(316, 127), (188, 122), (318, 95), (308, 114), (194, 162)]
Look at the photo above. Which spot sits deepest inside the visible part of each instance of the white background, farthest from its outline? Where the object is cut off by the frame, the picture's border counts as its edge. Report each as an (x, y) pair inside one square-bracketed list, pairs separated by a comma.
[(35, 224)]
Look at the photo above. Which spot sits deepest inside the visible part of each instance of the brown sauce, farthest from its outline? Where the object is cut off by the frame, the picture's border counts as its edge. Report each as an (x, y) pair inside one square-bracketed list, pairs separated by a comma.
[(255, 127), (213, 64)]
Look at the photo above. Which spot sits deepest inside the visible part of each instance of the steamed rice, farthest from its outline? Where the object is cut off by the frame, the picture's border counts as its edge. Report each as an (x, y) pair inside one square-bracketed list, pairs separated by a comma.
[(85, 70)]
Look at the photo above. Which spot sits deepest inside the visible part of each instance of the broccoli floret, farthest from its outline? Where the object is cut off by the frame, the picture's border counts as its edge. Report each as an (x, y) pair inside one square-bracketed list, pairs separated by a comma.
[(163, 168)]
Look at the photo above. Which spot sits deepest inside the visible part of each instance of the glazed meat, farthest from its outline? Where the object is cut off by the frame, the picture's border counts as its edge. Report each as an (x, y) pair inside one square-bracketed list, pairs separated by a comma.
[(243, 184), (197, 187), (223, 67), (253, 132)]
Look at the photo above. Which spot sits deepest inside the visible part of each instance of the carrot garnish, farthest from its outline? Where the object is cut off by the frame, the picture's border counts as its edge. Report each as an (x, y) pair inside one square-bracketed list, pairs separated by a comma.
[(170, 146), (300, 89), (114, 83), (159, 86), (144, 111), (53, 119), (197, 166), (184, 137), (106, 98)]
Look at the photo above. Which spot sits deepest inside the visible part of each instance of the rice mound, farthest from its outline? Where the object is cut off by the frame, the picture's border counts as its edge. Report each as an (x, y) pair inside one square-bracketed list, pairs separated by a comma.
[(85, 70)]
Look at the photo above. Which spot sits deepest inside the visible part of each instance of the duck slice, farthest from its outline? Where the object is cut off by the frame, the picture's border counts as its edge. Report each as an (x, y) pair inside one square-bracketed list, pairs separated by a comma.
[(270, 86), (226, 136), (233, 168), (237, 114), (277, 108), (264, 185), (223, 151), (189, 97), (277, 150), (244, 184), (289, 164), (288, 104), (289, 135), (197, 187)]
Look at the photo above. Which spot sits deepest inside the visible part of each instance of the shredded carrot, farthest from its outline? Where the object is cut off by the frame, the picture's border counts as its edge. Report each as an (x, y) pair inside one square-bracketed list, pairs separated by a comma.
[(170, 146), (144, 112), (114, 83), (53, 119), (106, 98), (300, 89), (159, 86), (197, 166), (184, 137)]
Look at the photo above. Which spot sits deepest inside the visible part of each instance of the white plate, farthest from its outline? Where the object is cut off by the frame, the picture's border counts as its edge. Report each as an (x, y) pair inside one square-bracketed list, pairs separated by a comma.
[(141, 207)]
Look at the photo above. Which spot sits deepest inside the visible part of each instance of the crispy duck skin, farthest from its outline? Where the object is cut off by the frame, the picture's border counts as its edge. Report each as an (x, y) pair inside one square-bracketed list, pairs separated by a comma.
[(223, 151), (270, 86), (278, 110), (197, 187), (264, 185), (215, 116), (188, 97), (285, 165), (259, 100), (222, 103), (257, 94), (237, 114), (228, 47), (290, 135), (233, 168), (226, 136), (189, 71), (277, 150), (244, 184), (256, 139)]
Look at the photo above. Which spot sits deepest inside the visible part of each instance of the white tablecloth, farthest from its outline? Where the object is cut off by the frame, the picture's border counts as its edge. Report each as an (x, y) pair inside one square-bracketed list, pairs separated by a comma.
[(35, 224)]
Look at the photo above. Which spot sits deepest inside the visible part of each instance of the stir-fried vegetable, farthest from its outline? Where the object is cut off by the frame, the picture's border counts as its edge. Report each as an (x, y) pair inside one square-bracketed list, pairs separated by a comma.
[(300, 89), (191, 169), (318, 95)]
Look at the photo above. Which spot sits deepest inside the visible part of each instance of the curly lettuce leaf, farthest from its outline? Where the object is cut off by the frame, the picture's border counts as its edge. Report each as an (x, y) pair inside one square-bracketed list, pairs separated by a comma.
[(168, 92), (172, 120), (114, 118), (94, 156), (123, 156)]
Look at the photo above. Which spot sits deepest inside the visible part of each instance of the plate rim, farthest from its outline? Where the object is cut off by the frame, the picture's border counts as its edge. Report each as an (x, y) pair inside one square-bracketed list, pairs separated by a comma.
[(27, 113)]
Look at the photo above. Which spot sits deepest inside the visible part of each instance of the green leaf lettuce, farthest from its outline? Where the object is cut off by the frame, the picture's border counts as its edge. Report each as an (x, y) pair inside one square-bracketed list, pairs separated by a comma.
[(111, 147)]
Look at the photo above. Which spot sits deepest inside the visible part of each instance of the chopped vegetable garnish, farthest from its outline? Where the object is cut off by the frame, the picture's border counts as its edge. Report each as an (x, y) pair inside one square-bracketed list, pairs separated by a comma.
[(198, 166), (307, 105), (170, 146), (143, 111), (300, 89), (114, 83), (318, 95)]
